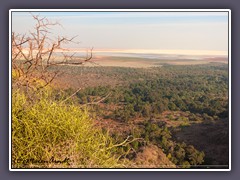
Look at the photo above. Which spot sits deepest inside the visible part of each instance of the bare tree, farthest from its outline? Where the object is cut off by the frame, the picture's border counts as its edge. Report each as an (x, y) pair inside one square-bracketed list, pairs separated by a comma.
[(33, 55)]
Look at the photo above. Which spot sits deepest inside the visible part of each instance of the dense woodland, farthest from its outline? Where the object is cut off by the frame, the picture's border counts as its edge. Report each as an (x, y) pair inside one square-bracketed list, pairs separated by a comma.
[(148, 99)]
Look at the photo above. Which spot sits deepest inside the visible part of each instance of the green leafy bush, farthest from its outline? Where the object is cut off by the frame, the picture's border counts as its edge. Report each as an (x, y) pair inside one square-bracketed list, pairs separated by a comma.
[(47, 133)]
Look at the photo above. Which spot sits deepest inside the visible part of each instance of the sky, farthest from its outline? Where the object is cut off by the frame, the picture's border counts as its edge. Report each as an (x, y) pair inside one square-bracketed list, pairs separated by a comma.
[(196, 32)]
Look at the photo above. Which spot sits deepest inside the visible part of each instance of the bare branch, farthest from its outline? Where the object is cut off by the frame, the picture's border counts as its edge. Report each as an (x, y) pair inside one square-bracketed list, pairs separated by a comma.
[(71, 95), (48, 82), (21, 43), (99, 101), (33, 55), (126, 142)]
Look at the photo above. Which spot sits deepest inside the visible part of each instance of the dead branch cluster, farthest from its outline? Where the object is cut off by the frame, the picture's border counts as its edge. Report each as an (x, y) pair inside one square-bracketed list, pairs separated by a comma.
[(33, 54)]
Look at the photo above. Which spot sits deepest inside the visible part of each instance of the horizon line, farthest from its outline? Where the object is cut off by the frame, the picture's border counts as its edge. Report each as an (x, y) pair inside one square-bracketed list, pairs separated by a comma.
[(152, 51)]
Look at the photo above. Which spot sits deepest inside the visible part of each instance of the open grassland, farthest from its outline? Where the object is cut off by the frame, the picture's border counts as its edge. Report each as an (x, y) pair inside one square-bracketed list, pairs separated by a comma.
[(145, 62), (137, 62)]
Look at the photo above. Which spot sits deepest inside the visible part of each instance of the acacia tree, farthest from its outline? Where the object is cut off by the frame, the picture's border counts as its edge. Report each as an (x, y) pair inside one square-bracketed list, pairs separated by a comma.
[(33, 55)]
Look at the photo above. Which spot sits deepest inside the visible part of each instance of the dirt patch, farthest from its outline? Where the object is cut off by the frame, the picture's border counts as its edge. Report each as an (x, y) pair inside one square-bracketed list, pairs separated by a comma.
[(152, 157)]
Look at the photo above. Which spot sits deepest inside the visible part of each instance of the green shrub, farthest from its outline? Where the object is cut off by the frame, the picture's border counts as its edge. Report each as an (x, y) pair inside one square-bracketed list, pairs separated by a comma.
[(46, 131)]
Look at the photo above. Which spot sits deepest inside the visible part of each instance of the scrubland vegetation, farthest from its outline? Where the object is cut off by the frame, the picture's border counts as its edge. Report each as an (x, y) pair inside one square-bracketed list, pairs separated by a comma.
[(45, 131), (156, 103), (115, 117)]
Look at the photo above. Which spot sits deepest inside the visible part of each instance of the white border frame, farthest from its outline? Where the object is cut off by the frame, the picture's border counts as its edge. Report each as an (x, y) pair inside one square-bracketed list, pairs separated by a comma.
[(133, 10)]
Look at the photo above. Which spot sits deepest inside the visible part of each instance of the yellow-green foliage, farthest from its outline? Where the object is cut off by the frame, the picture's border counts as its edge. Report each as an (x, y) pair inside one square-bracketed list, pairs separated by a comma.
[(15, 74), (46, 133)]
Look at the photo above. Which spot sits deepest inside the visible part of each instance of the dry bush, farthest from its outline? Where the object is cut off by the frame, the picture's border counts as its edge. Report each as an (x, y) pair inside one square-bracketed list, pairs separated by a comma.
[(33, 55)]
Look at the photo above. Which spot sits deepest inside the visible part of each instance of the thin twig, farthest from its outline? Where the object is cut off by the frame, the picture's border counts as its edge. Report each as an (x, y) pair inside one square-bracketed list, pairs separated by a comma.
[(125, 142), (97, 102), (71, 95)]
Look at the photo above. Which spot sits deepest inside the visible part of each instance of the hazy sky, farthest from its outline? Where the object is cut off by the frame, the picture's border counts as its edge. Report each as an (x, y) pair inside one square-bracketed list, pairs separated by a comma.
[(137, 30)]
